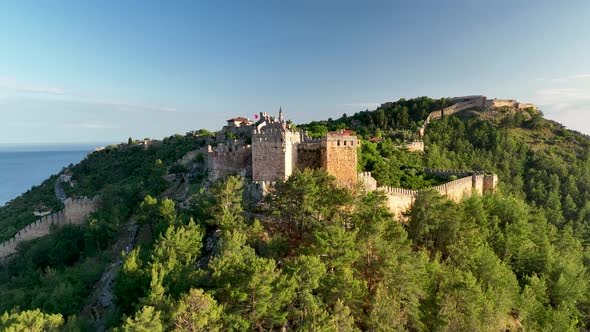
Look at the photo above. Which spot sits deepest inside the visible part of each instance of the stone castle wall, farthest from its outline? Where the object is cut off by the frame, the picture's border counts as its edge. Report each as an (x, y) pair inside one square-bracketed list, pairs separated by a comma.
[(75, 212), (456, 190), (465, 104), (309, 155), (274, 150), (226, 160), (508, 103), (339, 158), (501, 103), (401, 200), (367, 181), (522, 106), (447, 173), (414, 146)]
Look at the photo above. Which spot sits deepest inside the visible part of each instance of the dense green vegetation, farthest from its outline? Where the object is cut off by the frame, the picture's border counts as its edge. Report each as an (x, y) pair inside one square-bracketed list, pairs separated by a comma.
[(395, 167), (19, 212), (56, 273), (316, 257), (398, 120), (327, 260)]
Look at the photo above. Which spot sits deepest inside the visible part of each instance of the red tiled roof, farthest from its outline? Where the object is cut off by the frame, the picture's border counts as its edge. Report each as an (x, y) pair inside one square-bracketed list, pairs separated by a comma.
[(375, 139), (343, 132), (240, 119)]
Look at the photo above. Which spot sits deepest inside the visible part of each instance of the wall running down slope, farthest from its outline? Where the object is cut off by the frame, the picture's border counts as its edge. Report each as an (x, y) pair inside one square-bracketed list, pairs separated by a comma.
[(401, 200), (75, 212)]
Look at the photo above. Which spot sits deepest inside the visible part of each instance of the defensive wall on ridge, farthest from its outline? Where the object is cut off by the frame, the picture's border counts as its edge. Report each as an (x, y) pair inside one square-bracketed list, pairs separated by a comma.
[(75, 212), (467, 102), (400, 200)]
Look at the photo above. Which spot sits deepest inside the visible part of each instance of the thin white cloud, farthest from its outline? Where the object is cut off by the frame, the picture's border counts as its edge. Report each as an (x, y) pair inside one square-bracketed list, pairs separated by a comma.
[(565, 79), (10, 86), (562, 98), (567, 105), (17, 86)]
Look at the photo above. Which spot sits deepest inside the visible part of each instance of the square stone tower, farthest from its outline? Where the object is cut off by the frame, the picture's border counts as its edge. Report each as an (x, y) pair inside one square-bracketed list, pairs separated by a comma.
[(339, 156), (274, 148)]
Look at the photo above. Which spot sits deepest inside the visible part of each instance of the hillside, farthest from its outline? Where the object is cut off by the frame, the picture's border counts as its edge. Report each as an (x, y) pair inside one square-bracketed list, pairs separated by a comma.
[(314, 255)]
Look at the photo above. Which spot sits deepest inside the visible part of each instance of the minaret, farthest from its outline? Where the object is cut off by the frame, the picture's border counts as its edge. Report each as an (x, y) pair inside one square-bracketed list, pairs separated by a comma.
[(280, 114)]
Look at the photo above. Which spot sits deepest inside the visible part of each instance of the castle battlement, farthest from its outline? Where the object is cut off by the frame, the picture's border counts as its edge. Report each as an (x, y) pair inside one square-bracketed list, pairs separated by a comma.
[(76, 211), (447, 173), (400, 200)]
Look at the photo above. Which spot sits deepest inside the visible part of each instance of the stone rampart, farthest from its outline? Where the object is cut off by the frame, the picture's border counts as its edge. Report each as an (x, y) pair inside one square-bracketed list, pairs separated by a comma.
[(522, 106), (447, 173), (503, 103), (469, 102), (309, 155), (75, 212), (77, 209), (417, 145), (400, 200), (366, 180), (456, 190), (226, 160)]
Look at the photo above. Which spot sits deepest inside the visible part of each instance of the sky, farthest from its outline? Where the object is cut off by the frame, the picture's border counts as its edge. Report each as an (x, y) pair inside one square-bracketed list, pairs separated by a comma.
[(101, 71)]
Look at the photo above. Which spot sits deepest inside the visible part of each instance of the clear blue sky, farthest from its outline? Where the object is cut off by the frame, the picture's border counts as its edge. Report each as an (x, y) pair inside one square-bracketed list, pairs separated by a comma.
[(98, 71)]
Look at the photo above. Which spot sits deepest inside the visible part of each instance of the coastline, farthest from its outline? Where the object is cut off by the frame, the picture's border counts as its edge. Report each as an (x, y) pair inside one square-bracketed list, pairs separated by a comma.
[(23, 166)]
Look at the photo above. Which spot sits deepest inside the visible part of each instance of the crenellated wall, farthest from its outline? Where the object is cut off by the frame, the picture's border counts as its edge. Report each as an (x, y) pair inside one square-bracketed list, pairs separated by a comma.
[(274, 149), (456, 190), (339, 157), (447, 173), (400, 200), (367, 181), (229, 159), (76, 211), (417, 145)]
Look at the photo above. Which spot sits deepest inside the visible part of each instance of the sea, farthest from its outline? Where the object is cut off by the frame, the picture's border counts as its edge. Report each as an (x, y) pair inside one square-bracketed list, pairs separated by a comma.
[(25, 166)]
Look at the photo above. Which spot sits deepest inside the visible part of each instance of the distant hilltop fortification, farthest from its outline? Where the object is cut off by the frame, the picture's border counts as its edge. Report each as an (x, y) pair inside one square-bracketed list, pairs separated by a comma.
[(482, 103)]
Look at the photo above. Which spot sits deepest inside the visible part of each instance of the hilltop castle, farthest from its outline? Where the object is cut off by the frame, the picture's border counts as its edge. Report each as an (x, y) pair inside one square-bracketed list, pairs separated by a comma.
[(271, 149)]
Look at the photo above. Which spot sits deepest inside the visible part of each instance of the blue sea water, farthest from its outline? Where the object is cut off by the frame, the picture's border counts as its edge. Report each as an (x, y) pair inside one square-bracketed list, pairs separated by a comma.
[(24, 166)]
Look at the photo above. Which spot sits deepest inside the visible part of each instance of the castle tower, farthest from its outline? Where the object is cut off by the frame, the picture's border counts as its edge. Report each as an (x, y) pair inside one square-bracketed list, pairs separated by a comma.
[(339, 156), (274, 149), (280, 114), (490, 182)]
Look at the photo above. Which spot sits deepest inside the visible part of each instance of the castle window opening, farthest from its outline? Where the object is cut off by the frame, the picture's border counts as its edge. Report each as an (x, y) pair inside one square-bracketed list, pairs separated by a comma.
[(338, 142)]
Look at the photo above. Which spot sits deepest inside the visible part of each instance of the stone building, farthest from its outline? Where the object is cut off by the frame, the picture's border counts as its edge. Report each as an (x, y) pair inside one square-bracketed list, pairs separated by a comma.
[(271, 149)]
